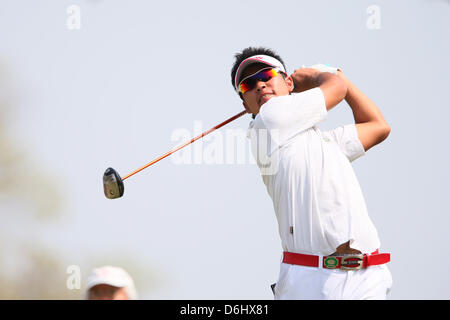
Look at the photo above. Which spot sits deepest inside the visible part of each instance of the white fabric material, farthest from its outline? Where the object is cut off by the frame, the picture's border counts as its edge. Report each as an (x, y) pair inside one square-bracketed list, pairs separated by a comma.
[(312, 183), (308, 283), (284, 117)]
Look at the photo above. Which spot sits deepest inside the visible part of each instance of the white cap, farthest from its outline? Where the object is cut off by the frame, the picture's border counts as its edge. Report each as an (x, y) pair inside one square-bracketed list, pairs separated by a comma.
[(113, 276), (271, 61)]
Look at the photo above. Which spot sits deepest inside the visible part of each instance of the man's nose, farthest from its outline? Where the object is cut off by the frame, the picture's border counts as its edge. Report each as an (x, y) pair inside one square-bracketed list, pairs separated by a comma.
[(260, 85)]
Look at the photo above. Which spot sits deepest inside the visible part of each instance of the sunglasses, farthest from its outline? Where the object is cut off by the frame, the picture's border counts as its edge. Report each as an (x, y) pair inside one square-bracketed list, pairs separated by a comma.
[(248, 83)]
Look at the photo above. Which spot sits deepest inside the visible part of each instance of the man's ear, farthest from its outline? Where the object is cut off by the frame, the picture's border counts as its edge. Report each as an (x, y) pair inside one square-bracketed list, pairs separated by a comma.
[(290, 83)]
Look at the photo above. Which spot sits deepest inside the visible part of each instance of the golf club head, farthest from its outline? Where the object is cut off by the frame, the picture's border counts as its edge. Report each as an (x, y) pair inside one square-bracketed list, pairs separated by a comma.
[(112, 184)]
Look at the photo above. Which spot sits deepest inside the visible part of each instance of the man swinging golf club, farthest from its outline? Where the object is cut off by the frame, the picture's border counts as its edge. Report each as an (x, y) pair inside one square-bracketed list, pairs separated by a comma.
[(331, 247)]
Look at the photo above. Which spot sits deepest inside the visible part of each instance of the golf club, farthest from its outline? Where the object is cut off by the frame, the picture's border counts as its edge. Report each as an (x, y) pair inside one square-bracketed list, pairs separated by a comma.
[(113, 183)]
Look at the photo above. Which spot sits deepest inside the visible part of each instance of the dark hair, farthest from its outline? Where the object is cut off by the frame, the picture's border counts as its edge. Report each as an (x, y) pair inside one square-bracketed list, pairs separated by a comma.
[(247, 53)]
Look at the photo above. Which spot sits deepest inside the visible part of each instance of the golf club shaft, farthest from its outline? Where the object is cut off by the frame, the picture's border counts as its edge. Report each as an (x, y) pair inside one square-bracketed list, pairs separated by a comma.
[(185, 144)]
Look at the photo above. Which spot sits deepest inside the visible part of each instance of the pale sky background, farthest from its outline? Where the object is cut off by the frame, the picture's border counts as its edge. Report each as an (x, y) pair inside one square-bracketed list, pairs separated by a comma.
[(113, 92)]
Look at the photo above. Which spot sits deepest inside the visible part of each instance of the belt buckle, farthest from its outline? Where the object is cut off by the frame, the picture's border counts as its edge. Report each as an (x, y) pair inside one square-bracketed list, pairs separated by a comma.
[(352, 262)]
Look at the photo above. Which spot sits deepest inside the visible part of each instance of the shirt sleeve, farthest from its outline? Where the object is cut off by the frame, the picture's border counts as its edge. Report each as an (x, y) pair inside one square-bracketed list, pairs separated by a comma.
[(347, 139), (286, 116)]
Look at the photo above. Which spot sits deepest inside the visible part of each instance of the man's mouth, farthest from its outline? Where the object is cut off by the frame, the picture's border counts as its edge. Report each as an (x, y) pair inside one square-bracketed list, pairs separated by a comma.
[(265, 97)]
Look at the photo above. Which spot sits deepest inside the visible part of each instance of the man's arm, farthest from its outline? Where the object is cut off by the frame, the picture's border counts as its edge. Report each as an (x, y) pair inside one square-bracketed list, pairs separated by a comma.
[(334, 88), (371, 126)]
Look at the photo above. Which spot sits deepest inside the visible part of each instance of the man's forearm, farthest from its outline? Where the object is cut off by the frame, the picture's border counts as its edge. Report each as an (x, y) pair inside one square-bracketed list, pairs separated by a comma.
[(364, 109), (307, 78), (371, 126)]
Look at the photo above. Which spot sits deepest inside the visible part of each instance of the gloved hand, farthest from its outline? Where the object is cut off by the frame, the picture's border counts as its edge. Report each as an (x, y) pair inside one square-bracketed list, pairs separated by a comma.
[(324, 68)]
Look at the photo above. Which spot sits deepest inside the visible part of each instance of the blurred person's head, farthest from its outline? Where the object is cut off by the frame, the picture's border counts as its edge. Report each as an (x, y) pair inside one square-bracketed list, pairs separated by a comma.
[(110, 283)]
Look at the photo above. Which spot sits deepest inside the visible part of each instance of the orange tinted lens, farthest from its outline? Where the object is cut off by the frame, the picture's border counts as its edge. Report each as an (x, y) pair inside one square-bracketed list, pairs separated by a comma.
[(244, 87)]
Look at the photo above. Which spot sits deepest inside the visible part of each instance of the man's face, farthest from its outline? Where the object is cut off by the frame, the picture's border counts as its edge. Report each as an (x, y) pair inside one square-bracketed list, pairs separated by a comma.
[(107, 292), (264, 91)]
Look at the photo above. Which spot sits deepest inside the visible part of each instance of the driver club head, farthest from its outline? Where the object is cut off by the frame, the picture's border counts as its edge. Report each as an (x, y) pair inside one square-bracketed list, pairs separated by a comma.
[(112, 184)]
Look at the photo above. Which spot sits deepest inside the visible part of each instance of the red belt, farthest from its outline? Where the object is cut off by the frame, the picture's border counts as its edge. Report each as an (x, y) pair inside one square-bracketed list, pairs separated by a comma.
[(343, 262)]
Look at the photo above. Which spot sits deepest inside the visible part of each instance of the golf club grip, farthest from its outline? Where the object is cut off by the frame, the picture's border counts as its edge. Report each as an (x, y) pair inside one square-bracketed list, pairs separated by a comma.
[(187, 143)]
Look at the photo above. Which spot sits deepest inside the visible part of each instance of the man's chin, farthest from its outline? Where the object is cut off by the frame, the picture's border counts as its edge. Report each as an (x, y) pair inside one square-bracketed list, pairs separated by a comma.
[(265, 99)]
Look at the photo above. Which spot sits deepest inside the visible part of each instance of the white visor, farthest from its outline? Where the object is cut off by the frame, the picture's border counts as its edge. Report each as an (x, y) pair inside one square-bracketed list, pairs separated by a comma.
[(270, 61)]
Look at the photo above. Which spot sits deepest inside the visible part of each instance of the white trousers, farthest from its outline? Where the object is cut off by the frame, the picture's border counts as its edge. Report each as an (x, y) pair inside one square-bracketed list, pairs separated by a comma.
[(310, 283)]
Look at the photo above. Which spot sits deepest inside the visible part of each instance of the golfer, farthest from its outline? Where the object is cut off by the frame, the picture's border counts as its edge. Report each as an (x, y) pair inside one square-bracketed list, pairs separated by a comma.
[(331, 247)]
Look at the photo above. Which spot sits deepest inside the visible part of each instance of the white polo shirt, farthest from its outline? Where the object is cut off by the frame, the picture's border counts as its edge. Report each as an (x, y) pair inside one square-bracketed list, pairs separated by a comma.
[(316, 196)]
